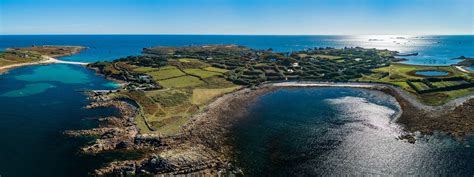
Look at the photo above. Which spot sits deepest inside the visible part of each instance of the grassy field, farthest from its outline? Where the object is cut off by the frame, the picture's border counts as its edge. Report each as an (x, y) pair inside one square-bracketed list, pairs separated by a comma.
[(145, 69), (202, 73), (398, 74), (166, 73), (180, 82), (10, 58), (203, 96), (164, 111), (214, 69)]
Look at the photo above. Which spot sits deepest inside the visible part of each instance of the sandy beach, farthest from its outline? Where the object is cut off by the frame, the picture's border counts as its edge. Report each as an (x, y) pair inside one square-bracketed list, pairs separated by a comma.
[(44, 61)]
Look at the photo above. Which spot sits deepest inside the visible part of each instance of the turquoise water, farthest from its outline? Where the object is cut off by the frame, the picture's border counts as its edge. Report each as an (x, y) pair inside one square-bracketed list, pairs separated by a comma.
[(432, 73), (339, 132), (28, 89), (37, 103)]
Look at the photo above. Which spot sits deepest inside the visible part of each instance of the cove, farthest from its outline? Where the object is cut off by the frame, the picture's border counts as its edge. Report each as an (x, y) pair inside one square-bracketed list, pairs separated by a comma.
[(338, 131), (37, 104)]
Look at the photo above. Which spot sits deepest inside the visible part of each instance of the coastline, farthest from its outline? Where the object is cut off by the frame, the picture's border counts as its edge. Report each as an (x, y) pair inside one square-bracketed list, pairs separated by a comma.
[(202, 148), (47, 60)]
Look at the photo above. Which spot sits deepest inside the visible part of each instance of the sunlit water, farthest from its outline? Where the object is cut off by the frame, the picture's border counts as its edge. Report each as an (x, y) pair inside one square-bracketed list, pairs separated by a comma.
[(37, 103), (338, 131), (433, 50)]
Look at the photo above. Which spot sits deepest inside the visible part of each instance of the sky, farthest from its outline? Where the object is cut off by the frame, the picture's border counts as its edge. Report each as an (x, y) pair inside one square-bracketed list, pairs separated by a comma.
[(246, 17)]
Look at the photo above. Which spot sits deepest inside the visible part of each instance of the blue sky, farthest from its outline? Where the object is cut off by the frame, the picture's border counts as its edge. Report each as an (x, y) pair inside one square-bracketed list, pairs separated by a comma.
[(292, 17)]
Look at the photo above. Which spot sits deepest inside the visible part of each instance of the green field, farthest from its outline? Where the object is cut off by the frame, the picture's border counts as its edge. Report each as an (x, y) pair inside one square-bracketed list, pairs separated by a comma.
[(145, 69), (166, 73), (447, 83), (398, 74), (214, 69), (202, 96), (180, 82), (202, 73), (10, 58)]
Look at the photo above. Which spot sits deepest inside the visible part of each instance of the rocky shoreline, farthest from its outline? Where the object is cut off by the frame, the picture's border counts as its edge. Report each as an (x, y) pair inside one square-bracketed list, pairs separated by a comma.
[(198, 150), (201, 148)]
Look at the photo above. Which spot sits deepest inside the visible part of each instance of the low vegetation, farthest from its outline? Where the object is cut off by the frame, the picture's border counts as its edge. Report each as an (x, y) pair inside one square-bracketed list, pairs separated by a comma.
[(17, 57), (172, 83), (52, 51), (432, 90)]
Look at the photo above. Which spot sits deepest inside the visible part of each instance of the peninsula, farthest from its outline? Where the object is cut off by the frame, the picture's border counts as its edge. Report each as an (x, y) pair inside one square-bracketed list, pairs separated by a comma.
[(178, 102), (35, 55)]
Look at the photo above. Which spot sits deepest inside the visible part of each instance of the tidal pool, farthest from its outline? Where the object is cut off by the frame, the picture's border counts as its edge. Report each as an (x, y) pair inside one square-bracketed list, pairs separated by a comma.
[(432, 73)]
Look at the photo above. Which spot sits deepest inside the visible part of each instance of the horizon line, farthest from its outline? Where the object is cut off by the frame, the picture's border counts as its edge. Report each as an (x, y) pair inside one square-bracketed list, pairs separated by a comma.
[(190, 34)]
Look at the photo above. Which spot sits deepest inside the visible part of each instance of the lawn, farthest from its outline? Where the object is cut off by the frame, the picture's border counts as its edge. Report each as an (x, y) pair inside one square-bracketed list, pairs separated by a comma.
[(180, 82)]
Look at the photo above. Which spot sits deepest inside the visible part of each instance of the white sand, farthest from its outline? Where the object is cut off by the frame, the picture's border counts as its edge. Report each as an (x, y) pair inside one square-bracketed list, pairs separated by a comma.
[(46, 60)]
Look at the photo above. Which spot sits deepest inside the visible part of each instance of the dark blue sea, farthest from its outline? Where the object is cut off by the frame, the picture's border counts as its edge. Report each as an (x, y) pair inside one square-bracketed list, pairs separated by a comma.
[(303, 131)]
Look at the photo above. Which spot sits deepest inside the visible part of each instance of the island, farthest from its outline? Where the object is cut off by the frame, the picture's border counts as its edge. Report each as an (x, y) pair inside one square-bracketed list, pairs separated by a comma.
[(177, 103), (35, 55)]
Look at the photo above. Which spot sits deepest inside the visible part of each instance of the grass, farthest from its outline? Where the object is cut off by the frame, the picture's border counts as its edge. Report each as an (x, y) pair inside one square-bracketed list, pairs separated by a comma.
[(203, 96), (214, 69), (168, 97), (400, 73), (10, 58), (145, 69), (447, 83), (329, 57), (201, 73), (187, 60), (180, 82), (439, 98), (166, 110), (166, 73)]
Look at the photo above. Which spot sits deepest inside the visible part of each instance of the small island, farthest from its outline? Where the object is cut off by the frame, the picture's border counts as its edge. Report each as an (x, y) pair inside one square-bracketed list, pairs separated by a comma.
[(177, 102), (35, 55)]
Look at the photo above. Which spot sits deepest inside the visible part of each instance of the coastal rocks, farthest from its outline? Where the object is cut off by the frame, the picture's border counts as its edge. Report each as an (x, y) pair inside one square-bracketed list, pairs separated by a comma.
[(115, 138), (454, 118), (199, 150)]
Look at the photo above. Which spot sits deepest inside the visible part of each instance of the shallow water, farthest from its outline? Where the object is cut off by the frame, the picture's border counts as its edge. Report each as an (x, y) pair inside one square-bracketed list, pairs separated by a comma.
[(37, 104), (338, 131)]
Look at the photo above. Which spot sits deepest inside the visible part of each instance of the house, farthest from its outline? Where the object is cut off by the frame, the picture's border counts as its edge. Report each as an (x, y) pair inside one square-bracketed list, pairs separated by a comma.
[(295, 64), (358, 59), (290, 70)]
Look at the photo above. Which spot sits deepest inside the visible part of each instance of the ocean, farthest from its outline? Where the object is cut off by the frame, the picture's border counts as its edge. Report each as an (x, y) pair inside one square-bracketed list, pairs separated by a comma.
[(339, 132), (433, 50), (39, 102)]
